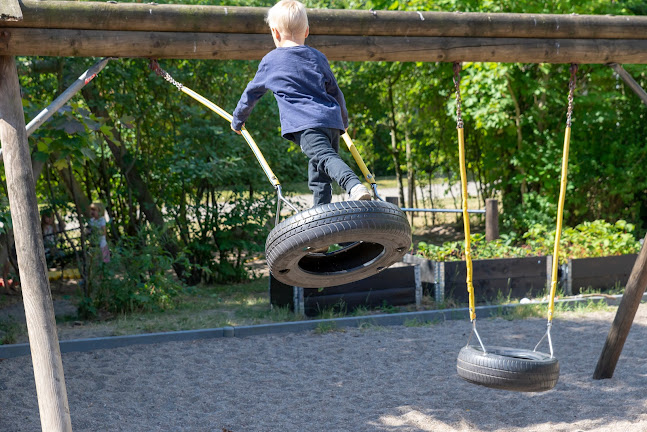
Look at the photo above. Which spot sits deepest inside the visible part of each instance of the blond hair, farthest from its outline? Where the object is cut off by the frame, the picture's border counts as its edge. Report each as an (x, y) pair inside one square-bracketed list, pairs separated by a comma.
[(101, 209), (288, 17)]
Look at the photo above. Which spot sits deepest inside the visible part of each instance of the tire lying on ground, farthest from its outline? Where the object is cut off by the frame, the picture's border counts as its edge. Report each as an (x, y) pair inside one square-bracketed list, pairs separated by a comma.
[(508, 368), (369, 236)]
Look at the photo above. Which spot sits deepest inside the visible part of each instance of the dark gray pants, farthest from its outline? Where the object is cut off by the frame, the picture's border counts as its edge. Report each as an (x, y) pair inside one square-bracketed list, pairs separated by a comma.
[(321, 145)]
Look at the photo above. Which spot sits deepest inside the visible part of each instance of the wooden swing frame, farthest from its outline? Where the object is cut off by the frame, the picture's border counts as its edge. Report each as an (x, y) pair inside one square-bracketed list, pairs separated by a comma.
[(93, 29)]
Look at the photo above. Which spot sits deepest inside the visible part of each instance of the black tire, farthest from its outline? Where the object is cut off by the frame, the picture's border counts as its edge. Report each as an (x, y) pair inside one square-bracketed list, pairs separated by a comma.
[(508, 368), (375, 234)]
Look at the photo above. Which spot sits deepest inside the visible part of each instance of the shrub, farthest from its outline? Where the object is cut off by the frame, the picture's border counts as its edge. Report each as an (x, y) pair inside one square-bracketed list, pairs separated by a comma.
[(223, 241), (588, 239), (137, 278)]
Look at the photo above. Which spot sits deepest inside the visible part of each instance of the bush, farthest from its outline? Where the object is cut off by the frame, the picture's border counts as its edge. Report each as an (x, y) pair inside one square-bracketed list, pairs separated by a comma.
[(222, 243), (137, 278), (588, 239)]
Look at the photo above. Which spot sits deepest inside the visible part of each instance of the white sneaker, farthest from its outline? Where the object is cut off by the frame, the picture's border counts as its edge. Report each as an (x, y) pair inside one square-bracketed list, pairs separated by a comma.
[(359, 192)]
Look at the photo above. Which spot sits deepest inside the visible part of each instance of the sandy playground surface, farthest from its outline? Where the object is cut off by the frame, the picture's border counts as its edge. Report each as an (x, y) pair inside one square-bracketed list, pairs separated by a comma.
[(398, 379)]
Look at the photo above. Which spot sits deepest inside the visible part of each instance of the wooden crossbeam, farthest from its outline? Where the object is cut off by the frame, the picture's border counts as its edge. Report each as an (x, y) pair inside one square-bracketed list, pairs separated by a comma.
[(232, 46), (93, 29), (250, 20)]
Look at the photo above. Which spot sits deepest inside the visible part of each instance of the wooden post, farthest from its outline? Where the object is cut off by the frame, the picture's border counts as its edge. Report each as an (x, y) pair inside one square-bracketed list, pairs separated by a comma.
[(39, 309), (624, 317), (393, 200), (491, 219)]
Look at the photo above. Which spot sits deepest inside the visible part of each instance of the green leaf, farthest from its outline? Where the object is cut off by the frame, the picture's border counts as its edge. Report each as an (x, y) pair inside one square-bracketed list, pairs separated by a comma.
[(40, 156), (42, 146), (60, 164)]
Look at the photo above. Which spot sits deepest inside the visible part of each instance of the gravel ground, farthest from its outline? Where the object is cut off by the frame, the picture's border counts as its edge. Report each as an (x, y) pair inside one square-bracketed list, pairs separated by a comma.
[(374, 379)]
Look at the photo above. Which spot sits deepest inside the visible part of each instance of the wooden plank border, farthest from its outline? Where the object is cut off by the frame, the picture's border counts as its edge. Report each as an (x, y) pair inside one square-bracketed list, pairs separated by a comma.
[(600, 273), (516, 277), (395, 286)]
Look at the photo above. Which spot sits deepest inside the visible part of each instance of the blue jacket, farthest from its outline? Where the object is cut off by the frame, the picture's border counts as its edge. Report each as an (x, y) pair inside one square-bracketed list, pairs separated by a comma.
[(304, 87)]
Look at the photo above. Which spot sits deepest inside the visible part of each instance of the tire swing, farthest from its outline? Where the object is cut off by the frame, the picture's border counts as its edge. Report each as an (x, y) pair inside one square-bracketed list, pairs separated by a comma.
[(498, 367), (362, 237)]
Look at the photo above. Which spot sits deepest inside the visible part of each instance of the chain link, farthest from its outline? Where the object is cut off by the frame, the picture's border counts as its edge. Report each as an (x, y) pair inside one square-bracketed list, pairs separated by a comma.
[(155, 67), (457, 83), (571, 91)]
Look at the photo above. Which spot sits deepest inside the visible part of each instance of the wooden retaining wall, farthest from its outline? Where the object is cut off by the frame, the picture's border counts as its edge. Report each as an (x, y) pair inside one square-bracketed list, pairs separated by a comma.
[(508, 277), (520, 277), (598, 274), (395, 286)]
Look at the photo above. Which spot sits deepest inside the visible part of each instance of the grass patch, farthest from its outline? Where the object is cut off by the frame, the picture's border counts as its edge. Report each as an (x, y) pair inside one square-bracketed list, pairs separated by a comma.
[(521, 312), (584, 307), (417, 323), (198, 307), (210, 306), (10, 330), (540, 310), (367, 325), (327, 327), (214, 306)]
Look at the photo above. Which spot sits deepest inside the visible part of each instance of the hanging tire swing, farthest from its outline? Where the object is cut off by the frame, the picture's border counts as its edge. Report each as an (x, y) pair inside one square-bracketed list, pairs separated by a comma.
[(372, 235), (327, 245), (503, 368)]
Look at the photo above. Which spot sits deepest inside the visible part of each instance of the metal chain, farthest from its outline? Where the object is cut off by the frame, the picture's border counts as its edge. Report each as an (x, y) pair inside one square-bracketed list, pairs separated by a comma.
[(457, 82), (155, 67), (571, 91)]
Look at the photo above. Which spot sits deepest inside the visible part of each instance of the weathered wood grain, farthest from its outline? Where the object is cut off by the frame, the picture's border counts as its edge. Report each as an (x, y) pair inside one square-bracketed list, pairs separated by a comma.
[(39, 309), (232, 46), (227, 19)]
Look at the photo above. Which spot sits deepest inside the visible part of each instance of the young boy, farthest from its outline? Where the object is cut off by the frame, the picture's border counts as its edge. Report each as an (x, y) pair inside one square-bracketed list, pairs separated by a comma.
[(312, 108)]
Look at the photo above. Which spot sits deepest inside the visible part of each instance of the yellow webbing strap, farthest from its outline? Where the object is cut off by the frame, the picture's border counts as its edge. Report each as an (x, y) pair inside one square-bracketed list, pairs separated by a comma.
[(358, 159), (466, 216), (250, 141), (222, 113), (558, 230), (466, 223), (562, 195)]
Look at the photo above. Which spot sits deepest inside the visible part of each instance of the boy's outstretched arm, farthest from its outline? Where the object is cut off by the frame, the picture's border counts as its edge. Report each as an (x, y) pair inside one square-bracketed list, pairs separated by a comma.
[(253, 92)]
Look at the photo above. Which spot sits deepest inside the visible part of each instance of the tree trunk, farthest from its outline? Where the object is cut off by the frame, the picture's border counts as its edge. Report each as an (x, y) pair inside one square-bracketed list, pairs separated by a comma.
[(411, 183), (135, 181), (74, 190), (395, 151), (395, 154), (517, 121)]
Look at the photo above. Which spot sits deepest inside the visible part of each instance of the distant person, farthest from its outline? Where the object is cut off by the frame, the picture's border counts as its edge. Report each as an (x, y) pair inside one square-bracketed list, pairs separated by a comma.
[(98, 226), (311, 106)]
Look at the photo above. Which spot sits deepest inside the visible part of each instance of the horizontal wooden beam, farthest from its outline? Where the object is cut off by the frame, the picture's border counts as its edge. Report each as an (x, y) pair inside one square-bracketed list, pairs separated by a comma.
[(232, 46), (250, 20)]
